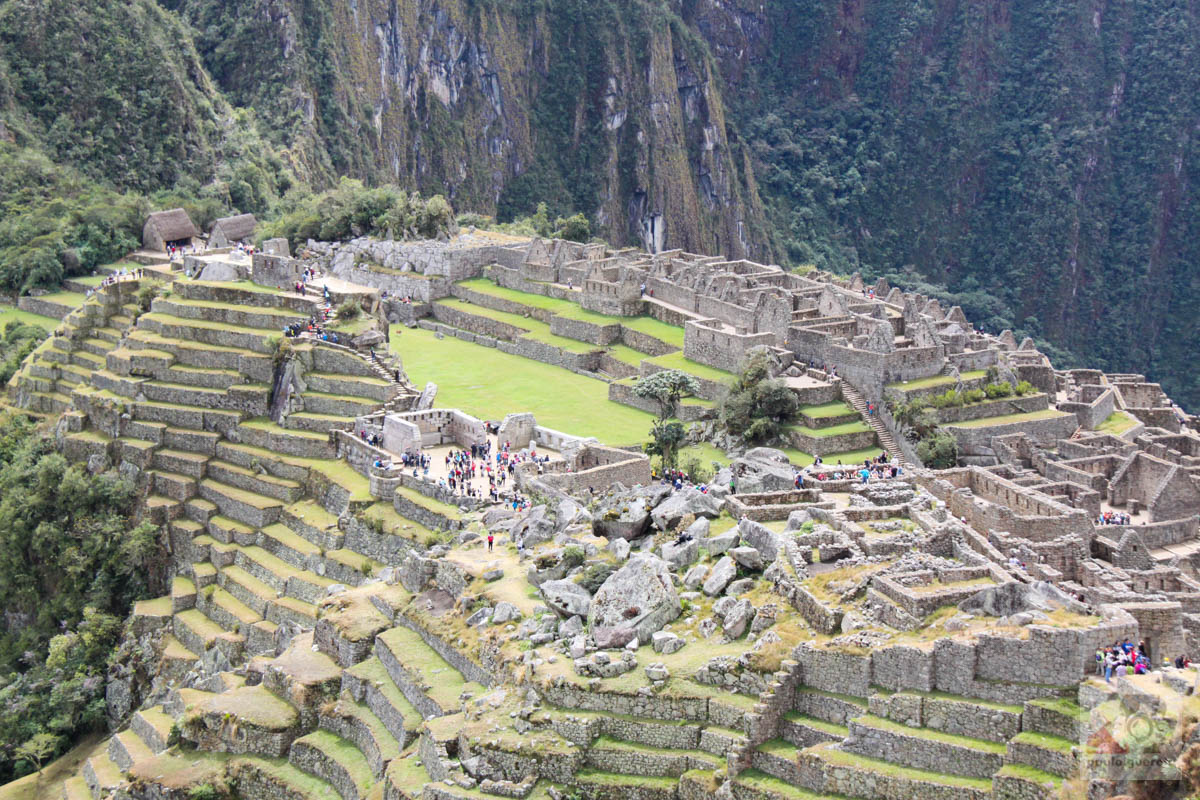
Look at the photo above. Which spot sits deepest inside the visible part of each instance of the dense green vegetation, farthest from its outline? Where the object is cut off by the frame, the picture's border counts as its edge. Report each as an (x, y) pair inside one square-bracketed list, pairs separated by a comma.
[(758, 408), (1037, 160), (71, 563)]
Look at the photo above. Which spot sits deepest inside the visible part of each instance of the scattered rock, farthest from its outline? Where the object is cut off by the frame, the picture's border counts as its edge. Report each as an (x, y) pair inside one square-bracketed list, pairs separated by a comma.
[(738, 619), (666, 642), (505, 612), (681, 555), (722, 573), (695, 577), (748, 557)]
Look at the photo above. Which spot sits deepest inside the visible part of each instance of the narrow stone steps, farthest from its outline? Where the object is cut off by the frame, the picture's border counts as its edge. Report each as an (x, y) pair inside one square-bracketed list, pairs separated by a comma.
[(1051, 754), (805, 731), (281, 489), (301, 584), (753, 784), (432, 685), (196, 631), (287, 545), (180, 462), (334, 760), (126, 749), (595, 783), (76, 788), (244, 506), (227, 611), (102, 774), (369, 682), (229, 531), (153, 727), (357, 723), (247, 589)]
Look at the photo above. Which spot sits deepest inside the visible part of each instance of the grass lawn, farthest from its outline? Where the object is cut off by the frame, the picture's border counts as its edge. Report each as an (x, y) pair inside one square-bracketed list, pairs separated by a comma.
[(8, 314), (1117, 423), (705, 453), (857, 426), (938, 380), (626, 354), (837, 408), (1048, 413), (71, 299), (489, 384), (677, 361), (538, 330), (671, 334)]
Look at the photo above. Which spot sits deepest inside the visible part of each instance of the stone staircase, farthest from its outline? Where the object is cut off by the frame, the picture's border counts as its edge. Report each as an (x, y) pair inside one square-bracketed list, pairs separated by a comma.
[(884, 437)]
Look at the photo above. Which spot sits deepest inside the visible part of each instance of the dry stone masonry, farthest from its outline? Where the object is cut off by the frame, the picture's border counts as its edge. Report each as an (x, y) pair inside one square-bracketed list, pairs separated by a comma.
[(338, 626)]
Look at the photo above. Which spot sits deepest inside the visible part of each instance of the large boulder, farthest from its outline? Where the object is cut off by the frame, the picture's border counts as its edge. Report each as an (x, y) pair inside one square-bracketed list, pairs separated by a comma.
[(566, 598), (639, 597), (670, 512), (681, 555), (623, 519), (761, 538), (1014, 598), (764, 469), (722, 573)]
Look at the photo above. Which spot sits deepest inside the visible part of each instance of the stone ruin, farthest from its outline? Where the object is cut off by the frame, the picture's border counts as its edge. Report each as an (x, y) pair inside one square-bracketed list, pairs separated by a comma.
[(337, 628)]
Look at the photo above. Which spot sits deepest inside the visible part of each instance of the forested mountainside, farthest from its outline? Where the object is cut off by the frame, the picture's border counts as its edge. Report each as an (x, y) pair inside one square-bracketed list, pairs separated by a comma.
[(1031, 160)]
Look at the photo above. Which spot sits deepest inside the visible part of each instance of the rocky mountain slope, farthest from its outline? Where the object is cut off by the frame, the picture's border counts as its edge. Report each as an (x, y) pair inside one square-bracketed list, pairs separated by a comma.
[(1030, 160)]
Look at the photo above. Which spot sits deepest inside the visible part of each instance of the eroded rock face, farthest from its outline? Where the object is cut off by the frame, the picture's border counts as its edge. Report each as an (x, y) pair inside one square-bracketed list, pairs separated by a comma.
[(567, 598), (670, 512), (638, 598), (1014, 598)]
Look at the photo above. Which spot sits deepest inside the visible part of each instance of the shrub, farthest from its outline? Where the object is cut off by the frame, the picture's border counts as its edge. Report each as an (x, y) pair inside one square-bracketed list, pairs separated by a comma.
[(595, 575), (572, 556), (975, 395), (995, 391), (758, 407), (348, 310), (1023, 388), (938, 450)]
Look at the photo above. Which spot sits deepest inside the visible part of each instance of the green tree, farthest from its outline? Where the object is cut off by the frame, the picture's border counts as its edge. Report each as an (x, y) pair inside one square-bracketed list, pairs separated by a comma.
[(39, 748), (938, 450), (757, 407), (666, 388), (575, 228)]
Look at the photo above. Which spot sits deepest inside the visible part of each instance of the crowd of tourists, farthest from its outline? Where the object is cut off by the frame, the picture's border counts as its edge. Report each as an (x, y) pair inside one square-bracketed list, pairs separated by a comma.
[(1122, 656), (1113, 518)]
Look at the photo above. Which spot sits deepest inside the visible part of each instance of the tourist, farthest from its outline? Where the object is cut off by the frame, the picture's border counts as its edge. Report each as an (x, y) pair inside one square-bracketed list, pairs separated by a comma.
[(490, 536)]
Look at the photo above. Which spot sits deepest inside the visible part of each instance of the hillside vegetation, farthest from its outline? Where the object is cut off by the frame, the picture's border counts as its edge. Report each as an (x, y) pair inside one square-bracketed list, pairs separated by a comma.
[(1032, 161)]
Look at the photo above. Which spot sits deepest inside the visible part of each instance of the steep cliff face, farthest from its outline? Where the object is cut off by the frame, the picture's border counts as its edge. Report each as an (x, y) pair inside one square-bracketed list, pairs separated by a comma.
[(612, 109), (1037, 158)]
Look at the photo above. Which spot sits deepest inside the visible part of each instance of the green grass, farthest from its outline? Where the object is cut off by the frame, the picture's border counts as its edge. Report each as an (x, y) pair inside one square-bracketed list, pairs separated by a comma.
[(537, 330), (425, 501), (938, 380), (677, 361), (9, 314), (1028, 773), (1045, 741), (705, 453), (838, 408), (626, 354), (987, 422), (444, 681), (866, 764), (1117, 423), (817, 724), (489, 384), (72, 299), (952, 739), (671, 334), (857, 426), (771, 786)]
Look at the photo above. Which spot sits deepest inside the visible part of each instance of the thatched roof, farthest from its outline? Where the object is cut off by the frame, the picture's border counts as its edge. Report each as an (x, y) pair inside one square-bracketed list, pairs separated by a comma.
[(236, 228), (172, 225)]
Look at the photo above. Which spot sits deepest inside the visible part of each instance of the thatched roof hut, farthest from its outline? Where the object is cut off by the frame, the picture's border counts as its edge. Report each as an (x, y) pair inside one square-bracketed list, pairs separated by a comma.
[(168, 227), (228, 231)]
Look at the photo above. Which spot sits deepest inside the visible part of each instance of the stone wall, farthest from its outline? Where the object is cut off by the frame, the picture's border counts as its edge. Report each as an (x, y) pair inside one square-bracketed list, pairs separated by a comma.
[(35, 305), (836, 443)]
